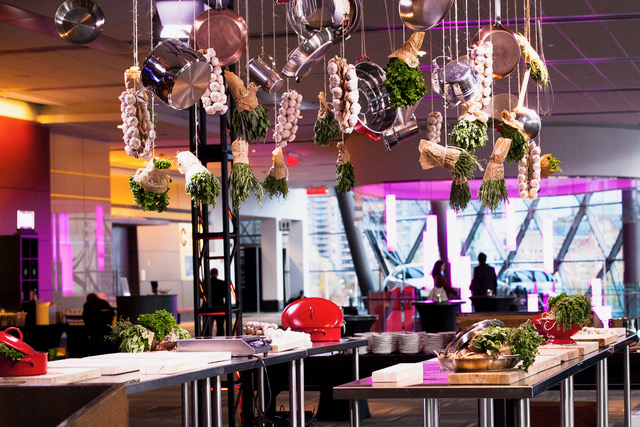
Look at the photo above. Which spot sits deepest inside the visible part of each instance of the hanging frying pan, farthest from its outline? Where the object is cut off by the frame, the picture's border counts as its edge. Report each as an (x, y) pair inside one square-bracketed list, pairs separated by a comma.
[(420, 15), (79, 21), (309, 17), (506, 49), (223, 30)]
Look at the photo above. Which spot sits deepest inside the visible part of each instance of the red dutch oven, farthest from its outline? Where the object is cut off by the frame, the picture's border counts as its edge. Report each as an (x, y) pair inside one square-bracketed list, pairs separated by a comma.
[(33, 362), (318, 317)]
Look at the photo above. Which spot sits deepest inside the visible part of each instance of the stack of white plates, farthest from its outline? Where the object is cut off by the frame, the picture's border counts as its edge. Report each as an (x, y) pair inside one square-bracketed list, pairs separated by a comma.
[(447, 337), (369, 337), (382, 343), (409, 343)]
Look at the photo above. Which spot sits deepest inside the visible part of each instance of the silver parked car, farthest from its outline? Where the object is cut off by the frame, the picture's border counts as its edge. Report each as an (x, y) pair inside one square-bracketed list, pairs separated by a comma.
[(407, 275), (521, 282)]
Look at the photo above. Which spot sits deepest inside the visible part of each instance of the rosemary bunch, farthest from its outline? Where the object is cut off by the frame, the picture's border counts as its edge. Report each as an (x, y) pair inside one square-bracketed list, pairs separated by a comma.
[(251, 125), (325, 130), (460, 194), (345, 177), (518, 143), (241, 182), (275, 187), (492, 192), (469, 135)]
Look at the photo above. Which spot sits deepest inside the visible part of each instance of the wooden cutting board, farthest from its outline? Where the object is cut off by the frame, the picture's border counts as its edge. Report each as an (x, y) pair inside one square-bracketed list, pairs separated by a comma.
[(279, 345), (172, 366), (544, 362), (584, 347), (55, 376), (151, 356), (106, 366), (602, 339), (565, 354), (492, 377)]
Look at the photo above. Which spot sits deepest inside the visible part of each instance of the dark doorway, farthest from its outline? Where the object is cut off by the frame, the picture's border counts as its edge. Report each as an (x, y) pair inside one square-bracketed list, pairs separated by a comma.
[(125, 257), (250, 278)]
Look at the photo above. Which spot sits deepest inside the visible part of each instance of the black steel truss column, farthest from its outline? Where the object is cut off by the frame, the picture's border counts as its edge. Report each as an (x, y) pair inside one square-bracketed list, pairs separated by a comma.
[(523, 230)]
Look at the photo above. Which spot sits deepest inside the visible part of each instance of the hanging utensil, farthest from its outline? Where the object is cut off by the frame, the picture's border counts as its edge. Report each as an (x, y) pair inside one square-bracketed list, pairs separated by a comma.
[(307, 54), (506, 49), (223, 30), (530, 120), (455, 81), (178, 75), (546, 95), (376, 114), (420, 15), (261, 72), (79, 21), (309, 17)]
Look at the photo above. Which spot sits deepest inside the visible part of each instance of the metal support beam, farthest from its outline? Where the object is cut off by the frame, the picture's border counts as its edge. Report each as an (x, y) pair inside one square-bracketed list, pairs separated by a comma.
[(474, 227), (521, 233), (566, 244), (416, 244), (376, 251)]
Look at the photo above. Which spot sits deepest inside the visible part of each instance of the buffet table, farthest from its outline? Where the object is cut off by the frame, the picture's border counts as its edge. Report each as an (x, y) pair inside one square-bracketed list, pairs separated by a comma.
[(435, 386)]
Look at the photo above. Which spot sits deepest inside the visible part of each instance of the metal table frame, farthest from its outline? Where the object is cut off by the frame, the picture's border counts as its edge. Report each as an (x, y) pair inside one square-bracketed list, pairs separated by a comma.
[(435, 387)]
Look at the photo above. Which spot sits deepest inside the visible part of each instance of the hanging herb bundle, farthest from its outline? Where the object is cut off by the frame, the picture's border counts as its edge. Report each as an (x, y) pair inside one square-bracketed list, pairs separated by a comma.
[(345, 176), (202, 185), (549, 165), (150, 185), (453, 159), (249, 120), (404, 81), (326, 127), (275, 184), (512, 129), (539, 72), (241, 180), (493, 188), (460, 193), (470, 132)]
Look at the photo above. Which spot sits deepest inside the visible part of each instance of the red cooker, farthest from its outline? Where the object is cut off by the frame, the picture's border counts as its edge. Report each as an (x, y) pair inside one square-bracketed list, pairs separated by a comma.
[(319, 317), (33, 362)]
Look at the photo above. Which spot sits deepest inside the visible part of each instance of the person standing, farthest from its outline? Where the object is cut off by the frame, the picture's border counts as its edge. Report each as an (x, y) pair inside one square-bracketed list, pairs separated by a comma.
[(441, 285), (98, 316), (218, 302), (484, 280)]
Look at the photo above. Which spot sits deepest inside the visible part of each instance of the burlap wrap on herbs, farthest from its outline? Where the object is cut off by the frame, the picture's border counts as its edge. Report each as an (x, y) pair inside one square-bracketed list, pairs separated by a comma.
[(343, 154), (495, 168), (152, 179), (279, 168), (472, 110), (240, 151), (132, 80), (245, 98), (189, 165), (324, 107), (433, 155), (410, 50)]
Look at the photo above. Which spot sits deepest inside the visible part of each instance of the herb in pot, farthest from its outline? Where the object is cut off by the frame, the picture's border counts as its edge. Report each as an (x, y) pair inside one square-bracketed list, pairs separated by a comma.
[(345, 176), (570, 310), (241, 180), (11, 353), (469, 135), (150, 185)]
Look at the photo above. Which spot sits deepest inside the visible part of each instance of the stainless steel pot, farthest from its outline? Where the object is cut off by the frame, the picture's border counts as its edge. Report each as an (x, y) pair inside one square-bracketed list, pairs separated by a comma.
[(261, 72), (307, 54), (401, 131), (309, 17), (420, 15), (376, 114), (79, 21), (178, 75), (455, 81)]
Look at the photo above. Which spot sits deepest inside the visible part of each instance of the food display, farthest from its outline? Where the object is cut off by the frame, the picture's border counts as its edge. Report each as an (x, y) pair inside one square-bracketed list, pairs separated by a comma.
[(257, 328), (566, 315), (482, 62), (326, 127), (137, 126)]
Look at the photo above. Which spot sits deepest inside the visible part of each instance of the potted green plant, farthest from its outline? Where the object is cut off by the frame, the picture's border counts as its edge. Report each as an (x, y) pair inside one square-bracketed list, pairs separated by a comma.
[(566, 315)]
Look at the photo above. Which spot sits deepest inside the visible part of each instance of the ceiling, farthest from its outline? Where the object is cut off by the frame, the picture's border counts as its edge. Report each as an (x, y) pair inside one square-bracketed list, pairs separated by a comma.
[(591, 48)]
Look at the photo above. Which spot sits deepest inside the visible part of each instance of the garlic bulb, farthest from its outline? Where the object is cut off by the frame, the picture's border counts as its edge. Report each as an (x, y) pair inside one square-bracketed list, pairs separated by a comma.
[(434, 126), (482, 63), (214, 98), (529, 172), (286, 127), (137, 127), (343, 83)]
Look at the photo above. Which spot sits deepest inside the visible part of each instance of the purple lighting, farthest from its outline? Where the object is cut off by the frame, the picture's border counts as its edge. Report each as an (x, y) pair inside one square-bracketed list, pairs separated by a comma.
[(547, 245), (100, 237), (65, 254)]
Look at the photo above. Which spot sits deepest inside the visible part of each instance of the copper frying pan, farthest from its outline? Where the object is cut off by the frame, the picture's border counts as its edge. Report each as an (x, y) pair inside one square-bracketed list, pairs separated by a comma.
[(223, 30), (506, 49)]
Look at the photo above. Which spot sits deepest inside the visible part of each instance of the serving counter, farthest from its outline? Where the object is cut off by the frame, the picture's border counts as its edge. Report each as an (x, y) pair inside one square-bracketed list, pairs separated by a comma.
[(435, 386)]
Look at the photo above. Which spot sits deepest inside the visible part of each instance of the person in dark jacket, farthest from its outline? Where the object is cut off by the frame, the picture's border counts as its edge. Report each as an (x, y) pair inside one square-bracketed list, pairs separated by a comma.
[(218, 301), (441, 282), (98, 316), (484, 278)]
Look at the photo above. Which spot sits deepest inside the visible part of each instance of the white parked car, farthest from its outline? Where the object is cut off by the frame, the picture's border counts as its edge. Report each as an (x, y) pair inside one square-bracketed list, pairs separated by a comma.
[(407, 275), (521, 282)]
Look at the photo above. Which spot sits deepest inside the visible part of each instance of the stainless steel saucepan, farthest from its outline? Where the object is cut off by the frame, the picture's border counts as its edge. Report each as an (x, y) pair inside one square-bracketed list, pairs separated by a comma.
[(79, 21), (309, 17), (307, 54), (376, 114), (420, 15)]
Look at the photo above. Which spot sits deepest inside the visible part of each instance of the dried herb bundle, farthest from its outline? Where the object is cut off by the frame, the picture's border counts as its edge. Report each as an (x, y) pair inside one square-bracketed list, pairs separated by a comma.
[(275, 187), (404, 84), (493, 188), (345, 177), (469, 135), (149, 200), (241, 182), (460, 194), (251, 125), (325, 130), (518, 143)]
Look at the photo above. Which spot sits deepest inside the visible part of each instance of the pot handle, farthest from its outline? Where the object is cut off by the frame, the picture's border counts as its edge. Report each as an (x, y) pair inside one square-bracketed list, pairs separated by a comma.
[(15, 329), (219, 5), (362, 58), (359, 127), (265, 57)]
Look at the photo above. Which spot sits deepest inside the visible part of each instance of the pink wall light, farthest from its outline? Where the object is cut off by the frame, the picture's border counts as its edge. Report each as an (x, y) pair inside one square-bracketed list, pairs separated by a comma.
[(430, 251), (100, 237), (547, 245), (391, 222)]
